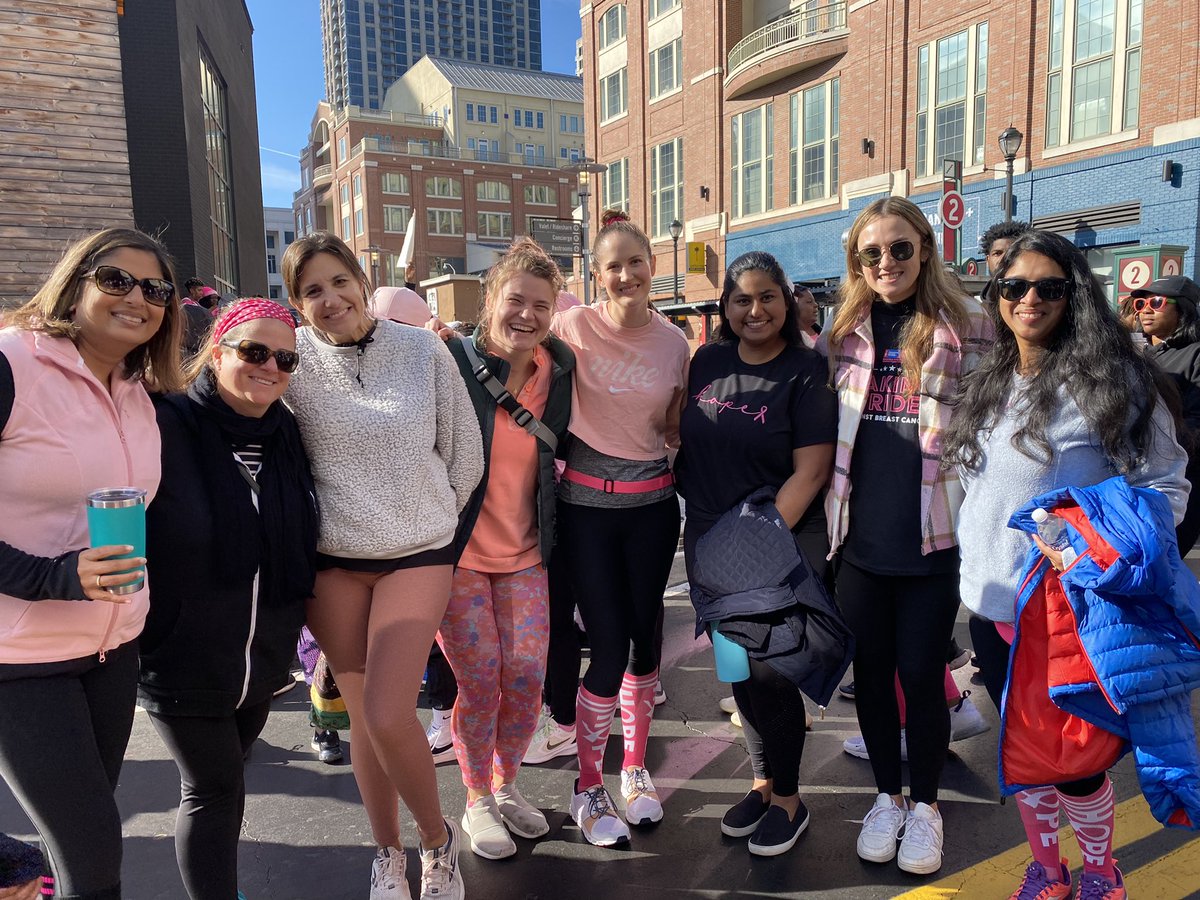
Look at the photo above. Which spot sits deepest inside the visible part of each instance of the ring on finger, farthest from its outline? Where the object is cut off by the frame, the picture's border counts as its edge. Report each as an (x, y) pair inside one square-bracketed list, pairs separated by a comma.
[(99, 586)]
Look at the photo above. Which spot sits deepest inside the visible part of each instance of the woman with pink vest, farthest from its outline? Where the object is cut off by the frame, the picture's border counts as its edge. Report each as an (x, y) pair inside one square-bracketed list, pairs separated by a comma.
[(75, 417)]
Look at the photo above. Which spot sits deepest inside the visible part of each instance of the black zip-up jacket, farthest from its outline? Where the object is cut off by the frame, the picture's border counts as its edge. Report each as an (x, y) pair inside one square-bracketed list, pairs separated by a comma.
[(1182, 362), (202, 633), (556, 417)]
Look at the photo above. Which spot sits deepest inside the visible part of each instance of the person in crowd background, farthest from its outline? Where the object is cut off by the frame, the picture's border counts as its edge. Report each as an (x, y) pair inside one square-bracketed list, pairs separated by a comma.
[(806, 304), (758, 410), (495, 630), (1170, 318), (382, 403), (1063, 400), (75, 417), (231, 541), (902, 337), (996, 241)]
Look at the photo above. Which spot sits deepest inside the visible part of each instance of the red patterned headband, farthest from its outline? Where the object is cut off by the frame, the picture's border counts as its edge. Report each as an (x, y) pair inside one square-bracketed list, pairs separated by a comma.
[(247, 311)]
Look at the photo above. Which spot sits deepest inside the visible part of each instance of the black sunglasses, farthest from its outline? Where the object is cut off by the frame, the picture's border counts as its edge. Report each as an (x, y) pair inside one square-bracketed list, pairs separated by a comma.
[(257, 354), (873, 256), (117, 283), (1047, 288)]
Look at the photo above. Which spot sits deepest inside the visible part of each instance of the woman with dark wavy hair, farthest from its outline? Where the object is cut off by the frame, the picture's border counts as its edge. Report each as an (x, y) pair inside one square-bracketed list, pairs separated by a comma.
[(1064, 399), (759, 412)]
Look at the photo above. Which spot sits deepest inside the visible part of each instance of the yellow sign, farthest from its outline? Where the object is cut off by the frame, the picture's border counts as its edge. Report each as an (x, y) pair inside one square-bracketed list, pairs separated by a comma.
[(697, 257)]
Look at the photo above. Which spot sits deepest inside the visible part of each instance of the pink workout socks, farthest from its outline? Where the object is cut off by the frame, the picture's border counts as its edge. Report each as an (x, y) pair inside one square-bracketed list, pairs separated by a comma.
[(593, 722), (637, 711), (1092, 818)]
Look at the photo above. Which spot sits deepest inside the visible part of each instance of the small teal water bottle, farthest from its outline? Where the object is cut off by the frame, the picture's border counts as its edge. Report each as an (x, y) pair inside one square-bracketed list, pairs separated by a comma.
[(118, 516), (733, 663)]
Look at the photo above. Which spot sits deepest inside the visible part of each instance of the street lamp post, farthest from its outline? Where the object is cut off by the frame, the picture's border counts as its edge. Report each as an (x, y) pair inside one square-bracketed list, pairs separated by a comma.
[(584, 169), (676, 229), (1010, 145), (373, 254)]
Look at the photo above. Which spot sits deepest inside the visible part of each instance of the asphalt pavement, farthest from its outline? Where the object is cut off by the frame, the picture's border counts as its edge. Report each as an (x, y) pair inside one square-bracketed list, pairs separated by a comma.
[(305, 836)]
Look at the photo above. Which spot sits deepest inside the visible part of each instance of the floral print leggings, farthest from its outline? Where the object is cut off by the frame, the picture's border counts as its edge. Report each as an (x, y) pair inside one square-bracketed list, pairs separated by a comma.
[(494, 634)]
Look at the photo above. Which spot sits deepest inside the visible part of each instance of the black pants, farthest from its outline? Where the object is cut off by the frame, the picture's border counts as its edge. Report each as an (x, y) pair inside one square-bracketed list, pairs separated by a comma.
[(209, 753), (620, 560), (441, 687), (902, 625), (992, 650), (563, 653), (1189, 529), (62, 738)]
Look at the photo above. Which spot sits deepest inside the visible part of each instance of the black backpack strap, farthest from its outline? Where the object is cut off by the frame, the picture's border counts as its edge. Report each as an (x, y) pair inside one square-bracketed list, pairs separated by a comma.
[(523, 417), (8, 391)]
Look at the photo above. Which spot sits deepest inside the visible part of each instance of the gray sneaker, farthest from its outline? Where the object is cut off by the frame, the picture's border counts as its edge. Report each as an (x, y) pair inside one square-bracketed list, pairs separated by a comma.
[(440, 875)]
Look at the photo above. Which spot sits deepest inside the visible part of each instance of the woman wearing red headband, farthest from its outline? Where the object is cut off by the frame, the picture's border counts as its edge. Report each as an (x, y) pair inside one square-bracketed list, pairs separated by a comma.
[(231, 541)]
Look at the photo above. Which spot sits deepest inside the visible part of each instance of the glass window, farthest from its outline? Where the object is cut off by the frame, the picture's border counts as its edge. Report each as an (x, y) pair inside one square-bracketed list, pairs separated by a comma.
[(395, 218), (470, 113), (952, 75), (666, 185), (613, 94), (616, 185), (357, 185), (658, 7), (494, 225), (541, 120), (270, 242), (214, 104), (540, 193), (272, 269), (444, 221), (753, 168), (493, 190), (443, 186), (613, 26), (666, 68), (813, 143), (358, 221), (394, 183)]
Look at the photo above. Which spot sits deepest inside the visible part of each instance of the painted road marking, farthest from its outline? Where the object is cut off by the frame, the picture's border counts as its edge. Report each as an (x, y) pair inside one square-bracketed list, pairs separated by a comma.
[(1172, 876)]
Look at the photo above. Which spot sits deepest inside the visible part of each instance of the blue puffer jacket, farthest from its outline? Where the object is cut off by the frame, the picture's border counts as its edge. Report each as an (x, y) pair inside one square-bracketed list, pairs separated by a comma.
[(1112, 642)]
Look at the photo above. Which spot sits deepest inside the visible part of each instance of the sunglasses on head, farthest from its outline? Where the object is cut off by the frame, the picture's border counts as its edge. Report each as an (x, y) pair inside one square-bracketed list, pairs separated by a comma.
[(873, 256), (1155, 303), (117, 283), (1047, 288), (257, 354)]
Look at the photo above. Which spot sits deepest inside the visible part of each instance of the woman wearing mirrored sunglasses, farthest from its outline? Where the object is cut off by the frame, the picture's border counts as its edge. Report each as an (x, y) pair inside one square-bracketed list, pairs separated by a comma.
[(1170, 320), (1063, 400), (231, 544), (75, 417), (903, 335)]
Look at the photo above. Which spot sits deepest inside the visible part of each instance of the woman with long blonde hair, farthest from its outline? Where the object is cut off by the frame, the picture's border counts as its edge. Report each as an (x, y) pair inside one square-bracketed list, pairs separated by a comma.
[(903, 335)]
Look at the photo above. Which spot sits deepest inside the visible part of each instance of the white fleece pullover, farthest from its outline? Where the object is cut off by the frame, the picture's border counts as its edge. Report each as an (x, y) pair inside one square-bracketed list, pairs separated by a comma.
[(392, 437)]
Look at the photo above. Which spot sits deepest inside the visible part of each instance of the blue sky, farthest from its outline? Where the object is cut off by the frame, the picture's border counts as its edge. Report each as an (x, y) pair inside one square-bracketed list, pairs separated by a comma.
[(289, 78)]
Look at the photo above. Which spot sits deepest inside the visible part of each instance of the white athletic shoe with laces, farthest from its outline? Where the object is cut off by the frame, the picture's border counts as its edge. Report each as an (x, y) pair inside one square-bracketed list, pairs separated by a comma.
[(596, 816), (881, 830), (642, 806), (388, 881), (440, 875), (549, 741), (921, 846)]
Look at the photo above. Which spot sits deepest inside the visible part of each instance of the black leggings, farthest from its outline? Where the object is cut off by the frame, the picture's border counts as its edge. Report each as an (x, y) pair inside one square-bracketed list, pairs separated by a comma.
[(441, 687), (991, 649), (563, 653), (1189, 529), (62, 739), (620, 560), (902, 625), (210, 755)]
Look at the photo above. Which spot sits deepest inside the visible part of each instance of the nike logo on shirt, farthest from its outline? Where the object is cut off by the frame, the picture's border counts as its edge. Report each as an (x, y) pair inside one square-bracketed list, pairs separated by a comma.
[(616, 390)]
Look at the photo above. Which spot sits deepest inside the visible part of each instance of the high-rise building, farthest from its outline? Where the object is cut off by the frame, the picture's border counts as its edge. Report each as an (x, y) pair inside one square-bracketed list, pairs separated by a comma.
[(368, 44)]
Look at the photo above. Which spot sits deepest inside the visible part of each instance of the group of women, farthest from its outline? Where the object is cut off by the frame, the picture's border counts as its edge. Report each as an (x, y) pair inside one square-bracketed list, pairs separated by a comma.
[(408, 490)]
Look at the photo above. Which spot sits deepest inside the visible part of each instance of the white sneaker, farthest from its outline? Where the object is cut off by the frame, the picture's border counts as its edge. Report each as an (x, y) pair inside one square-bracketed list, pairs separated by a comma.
[(483, 824), (880, 831), (660, 693), (728, 705), (856, 746), (522, 817), (642, 806), (440, 876), (966, 721), (596, 817), (388, 881), (921, 846), (441, 744), (736, 719), (549, 741)]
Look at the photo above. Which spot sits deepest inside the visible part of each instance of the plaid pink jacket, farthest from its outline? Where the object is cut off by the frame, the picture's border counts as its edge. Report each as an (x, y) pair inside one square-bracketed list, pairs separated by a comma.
[(941, 492)]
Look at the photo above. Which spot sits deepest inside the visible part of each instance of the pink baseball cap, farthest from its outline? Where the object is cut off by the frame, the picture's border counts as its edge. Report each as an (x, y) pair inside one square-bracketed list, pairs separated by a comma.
[(400, 304)]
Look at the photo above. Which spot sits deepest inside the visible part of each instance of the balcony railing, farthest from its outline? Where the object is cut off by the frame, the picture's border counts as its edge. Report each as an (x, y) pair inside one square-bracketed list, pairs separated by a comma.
[(812, 22), (450, 151), (387, 115), (322, 174)]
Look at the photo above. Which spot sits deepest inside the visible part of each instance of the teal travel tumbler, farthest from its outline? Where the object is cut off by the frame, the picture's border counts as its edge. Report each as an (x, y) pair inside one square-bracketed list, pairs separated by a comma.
[(733, 663), (118, 516)]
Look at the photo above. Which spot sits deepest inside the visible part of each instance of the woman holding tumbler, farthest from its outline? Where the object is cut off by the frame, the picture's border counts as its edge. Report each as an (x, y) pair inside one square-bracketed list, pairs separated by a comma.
[(74, 418), (395, 452), (232, 536)]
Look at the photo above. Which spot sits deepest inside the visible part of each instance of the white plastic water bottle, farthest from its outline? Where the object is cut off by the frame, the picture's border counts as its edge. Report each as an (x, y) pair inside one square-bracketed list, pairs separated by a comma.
[(1053, 530)]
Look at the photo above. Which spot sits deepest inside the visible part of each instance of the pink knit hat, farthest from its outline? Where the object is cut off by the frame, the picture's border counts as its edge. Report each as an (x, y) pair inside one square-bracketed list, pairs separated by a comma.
[(400, 304)]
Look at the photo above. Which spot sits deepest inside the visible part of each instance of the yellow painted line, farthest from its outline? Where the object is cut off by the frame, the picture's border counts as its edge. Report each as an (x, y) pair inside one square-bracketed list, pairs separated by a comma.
[(1173, 876)]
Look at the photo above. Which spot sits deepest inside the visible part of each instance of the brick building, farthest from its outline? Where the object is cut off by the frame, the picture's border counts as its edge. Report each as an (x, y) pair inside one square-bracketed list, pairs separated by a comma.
[(764, 124), (473, 152)]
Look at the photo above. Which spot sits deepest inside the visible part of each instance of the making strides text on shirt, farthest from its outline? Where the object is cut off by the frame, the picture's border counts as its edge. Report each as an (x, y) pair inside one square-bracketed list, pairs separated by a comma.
[(890, 397)]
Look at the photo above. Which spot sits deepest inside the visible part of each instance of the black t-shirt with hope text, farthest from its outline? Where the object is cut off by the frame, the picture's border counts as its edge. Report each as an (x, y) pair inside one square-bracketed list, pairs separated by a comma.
[(741, 423), (885, 468)]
